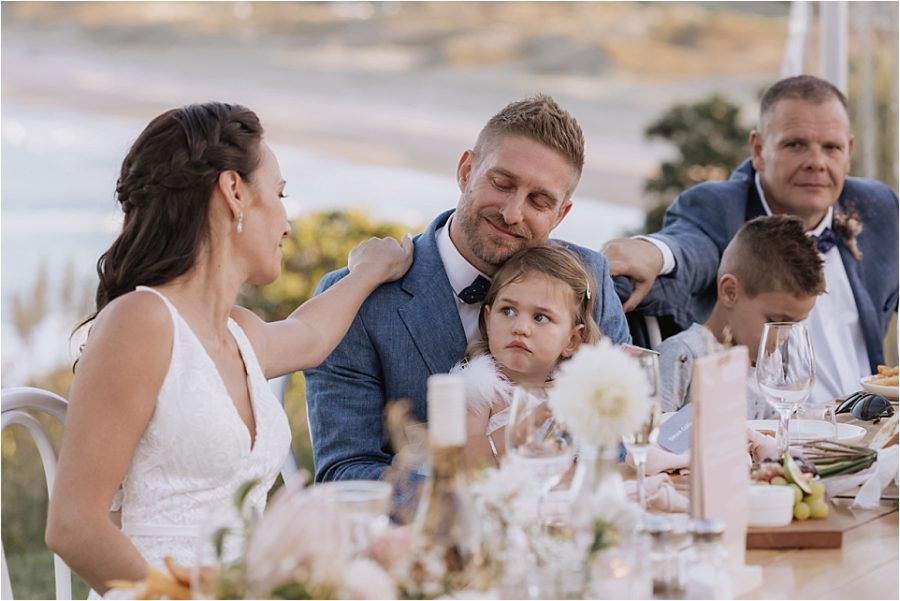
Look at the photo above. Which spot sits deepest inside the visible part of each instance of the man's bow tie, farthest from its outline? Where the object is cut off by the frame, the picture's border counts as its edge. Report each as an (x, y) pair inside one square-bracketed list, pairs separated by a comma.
[(826, 240), (475, 292)]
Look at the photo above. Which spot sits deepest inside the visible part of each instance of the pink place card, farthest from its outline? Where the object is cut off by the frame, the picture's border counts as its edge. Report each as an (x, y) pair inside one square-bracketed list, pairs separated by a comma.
[(719, 468)]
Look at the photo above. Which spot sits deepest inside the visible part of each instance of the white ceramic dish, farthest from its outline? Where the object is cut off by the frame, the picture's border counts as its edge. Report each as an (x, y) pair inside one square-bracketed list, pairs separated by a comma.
[(811, 429), (889, 392), (771, 506)]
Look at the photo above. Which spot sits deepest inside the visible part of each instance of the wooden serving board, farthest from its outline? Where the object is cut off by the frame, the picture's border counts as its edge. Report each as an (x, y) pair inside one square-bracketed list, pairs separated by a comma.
[(816, 534)]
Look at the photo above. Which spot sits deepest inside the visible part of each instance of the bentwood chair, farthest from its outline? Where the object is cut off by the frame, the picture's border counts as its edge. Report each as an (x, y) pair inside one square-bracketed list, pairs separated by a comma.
[(278, 386), (17, 404)]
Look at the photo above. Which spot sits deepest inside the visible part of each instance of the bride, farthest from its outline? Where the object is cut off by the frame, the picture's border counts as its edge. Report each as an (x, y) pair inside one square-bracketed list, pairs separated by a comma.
[(169, 411)]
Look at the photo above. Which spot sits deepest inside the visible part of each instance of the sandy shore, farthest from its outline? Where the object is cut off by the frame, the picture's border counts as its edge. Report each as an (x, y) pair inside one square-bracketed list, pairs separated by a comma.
[(393, 84)]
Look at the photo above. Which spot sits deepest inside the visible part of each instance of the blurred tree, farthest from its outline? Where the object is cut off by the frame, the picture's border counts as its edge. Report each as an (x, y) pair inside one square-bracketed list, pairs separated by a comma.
[(319, 243), (710, 141)]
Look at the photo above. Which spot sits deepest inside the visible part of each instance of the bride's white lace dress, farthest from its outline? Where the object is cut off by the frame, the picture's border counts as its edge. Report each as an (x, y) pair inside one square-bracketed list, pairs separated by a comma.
[(196, 450)]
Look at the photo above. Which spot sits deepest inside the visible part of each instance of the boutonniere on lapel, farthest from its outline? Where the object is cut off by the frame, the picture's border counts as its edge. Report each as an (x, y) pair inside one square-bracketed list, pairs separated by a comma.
[(849, 226)]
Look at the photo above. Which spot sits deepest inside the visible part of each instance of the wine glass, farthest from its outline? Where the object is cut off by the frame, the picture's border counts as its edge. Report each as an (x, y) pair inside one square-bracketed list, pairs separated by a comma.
[(638, 441), (536, 441), (785, 371)]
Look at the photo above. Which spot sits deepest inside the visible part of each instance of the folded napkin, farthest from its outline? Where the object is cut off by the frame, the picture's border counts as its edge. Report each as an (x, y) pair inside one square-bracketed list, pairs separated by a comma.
[(760, 446), (871, 481), (661, 494)]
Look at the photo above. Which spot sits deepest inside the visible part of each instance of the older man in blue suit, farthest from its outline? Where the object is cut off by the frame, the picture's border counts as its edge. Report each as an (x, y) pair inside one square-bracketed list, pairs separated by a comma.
[(800, 158), (516, 186)]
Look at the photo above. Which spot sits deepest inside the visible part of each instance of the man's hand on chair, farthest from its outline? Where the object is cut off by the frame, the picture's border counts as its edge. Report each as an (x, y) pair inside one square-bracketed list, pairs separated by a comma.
[(637, 259)]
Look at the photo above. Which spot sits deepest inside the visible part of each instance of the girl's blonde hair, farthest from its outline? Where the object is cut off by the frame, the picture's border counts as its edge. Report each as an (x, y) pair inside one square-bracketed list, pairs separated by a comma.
[(555, 262)]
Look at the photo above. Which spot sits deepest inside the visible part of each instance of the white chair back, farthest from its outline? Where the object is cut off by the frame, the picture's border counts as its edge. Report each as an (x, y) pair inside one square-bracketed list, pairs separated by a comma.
[(16, 403), (278, 386)]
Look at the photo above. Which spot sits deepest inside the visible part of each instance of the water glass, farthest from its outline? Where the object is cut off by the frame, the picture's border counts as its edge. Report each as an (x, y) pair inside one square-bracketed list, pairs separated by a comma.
[(537, 441), (367, 503)]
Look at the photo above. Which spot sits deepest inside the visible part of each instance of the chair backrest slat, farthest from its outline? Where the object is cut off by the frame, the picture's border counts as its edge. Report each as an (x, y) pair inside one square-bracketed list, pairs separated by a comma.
[(15, 405)]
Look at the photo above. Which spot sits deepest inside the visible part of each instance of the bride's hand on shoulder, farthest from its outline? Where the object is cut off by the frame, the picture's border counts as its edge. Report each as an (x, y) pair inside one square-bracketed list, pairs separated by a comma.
[(384, 259)]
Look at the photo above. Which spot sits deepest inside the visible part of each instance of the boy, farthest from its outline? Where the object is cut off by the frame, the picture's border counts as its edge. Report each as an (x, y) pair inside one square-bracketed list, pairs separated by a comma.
[(770, 271)]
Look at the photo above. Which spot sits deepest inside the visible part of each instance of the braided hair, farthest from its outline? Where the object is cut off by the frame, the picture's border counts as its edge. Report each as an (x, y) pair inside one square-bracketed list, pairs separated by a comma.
[(164, 189)]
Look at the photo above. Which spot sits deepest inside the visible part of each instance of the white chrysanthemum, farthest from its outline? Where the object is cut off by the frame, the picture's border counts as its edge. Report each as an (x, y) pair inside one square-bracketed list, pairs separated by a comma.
[(601, 393)]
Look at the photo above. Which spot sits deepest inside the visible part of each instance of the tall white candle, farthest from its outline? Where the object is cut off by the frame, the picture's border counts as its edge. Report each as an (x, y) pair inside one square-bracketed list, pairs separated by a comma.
[(446, 411)]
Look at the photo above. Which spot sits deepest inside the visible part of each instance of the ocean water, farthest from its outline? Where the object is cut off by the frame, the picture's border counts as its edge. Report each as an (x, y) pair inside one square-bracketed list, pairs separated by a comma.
[(58, 212)]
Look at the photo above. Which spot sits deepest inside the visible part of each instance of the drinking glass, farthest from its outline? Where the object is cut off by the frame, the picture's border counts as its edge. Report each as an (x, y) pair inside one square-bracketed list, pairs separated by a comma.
[(638, 441), (785, 371), (367, 504), (536, 441)]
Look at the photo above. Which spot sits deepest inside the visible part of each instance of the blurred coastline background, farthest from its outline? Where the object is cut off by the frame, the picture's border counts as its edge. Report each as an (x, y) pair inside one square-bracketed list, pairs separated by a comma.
[(368, 106)]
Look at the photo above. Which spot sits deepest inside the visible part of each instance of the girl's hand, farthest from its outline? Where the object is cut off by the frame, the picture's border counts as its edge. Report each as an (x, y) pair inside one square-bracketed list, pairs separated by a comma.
[(384, 259)]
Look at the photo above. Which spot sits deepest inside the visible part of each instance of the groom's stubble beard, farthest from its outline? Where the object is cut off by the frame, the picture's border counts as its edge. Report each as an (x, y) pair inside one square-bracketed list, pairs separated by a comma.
[(479, 238)]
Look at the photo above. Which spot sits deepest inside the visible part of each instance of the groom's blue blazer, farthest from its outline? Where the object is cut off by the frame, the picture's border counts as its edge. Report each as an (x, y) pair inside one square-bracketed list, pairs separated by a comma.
[(701, 222), (404, 332)]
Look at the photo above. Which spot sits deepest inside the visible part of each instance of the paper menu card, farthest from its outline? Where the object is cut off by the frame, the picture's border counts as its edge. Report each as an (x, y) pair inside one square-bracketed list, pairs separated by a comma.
[(719, 465)]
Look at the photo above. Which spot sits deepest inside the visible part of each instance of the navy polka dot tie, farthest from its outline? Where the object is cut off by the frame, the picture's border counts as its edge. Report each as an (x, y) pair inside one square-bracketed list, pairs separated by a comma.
[(826, 240), (475, 292)]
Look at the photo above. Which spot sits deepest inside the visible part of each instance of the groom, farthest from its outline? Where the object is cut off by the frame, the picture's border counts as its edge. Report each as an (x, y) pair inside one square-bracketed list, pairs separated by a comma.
[(516, 186)]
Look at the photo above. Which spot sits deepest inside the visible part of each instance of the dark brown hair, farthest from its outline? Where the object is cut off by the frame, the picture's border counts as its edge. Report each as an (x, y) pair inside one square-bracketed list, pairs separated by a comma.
[(774, 254), (164, 189), (553, 261)]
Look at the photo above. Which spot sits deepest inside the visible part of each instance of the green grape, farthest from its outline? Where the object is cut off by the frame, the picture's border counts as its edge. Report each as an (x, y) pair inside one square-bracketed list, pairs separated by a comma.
[(801, 511), (818, 489), (778, 480), (798, 494), (818, 509)]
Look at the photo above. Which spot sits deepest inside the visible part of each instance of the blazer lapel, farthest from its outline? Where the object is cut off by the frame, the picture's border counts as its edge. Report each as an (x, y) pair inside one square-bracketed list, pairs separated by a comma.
[(864, 306), (431, 316)]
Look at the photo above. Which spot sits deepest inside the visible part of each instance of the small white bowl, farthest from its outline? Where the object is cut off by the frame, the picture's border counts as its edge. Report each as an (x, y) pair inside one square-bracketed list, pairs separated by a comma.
[(771, 505), (891, 393)]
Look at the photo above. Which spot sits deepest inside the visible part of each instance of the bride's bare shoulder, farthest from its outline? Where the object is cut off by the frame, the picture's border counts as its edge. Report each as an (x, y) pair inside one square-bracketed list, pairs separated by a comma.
[(138, 313)]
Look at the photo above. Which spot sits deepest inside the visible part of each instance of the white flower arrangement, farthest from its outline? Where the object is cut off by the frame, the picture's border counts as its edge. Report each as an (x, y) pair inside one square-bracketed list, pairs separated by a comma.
[(601, 393), (302, 548)]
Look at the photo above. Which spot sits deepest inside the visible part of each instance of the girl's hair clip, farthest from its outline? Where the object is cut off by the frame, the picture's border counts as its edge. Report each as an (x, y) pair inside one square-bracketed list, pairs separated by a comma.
[(587, 292)]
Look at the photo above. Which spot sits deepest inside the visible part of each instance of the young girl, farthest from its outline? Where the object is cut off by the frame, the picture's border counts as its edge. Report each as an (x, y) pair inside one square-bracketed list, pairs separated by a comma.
[(537, 312)]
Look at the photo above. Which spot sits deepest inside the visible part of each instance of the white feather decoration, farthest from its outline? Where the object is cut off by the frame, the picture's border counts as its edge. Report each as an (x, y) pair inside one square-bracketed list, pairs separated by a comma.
[(484, 383)]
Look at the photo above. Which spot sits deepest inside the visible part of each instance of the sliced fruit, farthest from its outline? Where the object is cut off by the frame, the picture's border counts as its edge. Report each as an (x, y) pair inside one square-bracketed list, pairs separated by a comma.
[(793, 474), (817, 490)]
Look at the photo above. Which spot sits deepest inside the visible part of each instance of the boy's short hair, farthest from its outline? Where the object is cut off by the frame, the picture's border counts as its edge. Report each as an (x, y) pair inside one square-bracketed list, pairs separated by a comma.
[(538, 118), (774, 254)]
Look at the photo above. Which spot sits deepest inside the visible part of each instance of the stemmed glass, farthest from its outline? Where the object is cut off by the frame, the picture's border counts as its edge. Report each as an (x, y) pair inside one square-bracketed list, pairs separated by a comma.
[(536, 441), (638, 441), (785, 371)]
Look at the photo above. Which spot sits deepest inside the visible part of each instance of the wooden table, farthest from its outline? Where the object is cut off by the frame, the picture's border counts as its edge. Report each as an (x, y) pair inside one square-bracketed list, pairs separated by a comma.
[(867, 566)]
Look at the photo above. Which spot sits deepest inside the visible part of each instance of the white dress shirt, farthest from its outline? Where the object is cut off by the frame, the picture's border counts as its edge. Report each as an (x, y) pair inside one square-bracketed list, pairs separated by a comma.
[(461, 273), (837, 337)]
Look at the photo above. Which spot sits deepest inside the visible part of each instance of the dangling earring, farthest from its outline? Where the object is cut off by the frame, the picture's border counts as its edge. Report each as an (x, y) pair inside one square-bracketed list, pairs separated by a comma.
[(240, 223)]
